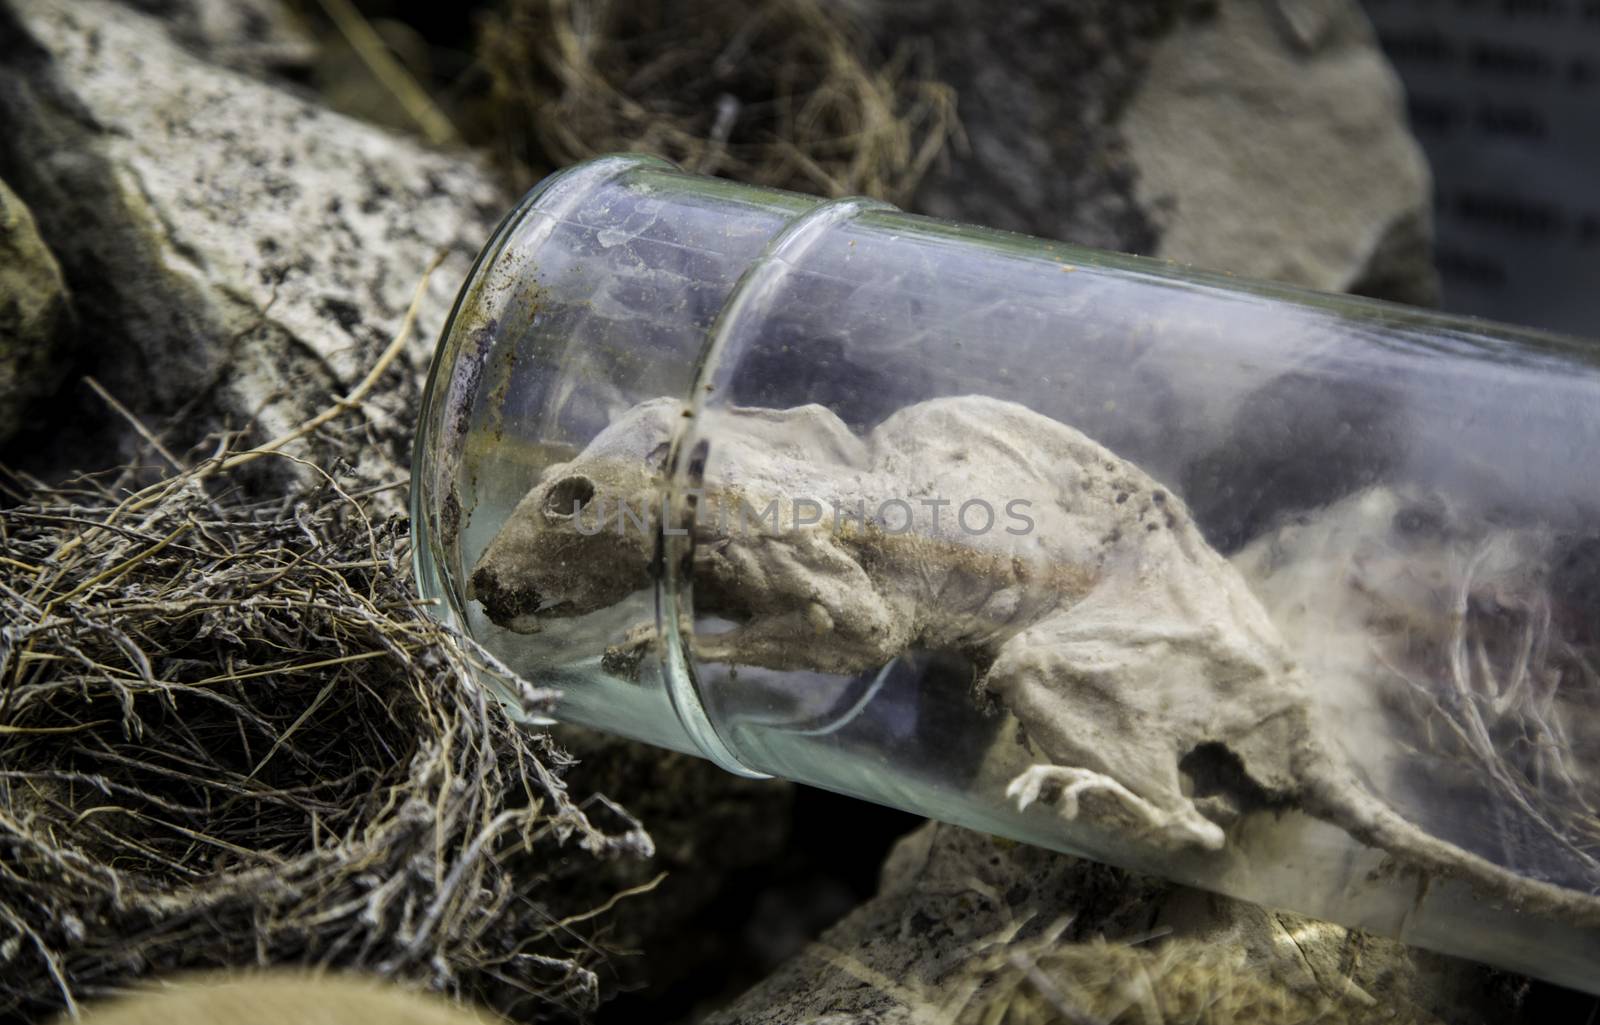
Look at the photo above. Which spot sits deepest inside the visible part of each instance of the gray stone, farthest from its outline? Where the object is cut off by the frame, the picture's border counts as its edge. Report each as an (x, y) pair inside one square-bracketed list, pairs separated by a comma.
[(1264, 138), (238, 252), (246, 35), (1039, 90), (1273, 136), (35, 317)]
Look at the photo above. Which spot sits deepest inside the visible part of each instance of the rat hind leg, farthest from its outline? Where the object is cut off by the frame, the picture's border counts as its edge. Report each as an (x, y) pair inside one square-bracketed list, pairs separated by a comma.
[(1070, 783), (1071, 696), (1114, 694)]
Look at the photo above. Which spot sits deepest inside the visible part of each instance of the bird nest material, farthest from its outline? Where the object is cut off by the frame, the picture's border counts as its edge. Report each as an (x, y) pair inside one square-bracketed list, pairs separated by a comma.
[(772, 92), (1050, 978), (230, 735)]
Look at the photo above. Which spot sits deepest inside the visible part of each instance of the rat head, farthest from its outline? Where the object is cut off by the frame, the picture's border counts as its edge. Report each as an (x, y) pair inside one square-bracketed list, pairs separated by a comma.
[(569, 548)]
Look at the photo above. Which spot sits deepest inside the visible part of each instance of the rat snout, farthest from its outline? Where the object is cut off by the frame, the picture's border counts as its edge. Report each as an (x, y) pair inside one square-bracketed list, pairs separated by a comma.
[(508, 603)]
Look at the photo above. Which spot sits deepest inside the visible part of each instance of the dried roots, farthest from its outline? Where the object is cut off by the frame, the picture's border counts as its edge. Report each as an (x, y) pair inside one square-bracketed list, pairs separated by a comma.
[(229, 736), (771, 92), (1048, 980)]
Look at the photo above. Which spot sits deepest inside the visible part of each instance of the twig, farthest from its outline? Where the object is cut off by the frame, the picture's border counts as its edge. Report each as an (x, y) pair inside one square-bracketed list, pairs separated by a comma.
[(375, 54), (134, 422), (360, 392)]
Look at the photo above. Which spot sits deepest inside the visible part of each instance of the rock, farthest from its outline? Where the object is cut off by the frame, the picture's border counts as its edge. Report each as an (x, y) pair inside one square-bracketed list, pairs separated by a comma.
[(35, 316), (239, 252), (1264, 138), (247, 35), (966, 925), (1039, 87), (1273, 135)]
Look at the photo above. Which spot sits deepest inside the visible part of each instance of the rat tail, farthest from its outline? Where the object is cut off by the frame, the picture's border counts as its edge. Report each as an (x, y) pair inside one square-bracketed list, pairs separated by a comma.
[(1330, 791)]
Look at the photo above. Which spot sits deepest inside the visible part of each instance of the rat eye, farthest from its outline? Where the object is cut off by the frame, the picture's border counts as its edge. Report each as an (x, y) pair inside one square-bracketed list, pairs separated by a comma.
[(567, 495)]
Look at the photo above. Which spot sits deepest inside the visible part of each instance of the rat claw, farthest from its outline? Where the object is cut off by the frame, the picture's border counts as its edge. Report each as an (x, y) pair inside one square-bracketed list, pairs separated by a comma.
[(1025, 788)]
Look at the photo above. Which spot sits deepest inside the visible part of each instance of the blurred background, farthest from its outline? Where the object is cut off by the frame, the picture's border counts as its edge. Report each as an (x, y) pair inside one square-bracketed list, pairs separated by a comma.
[(1500, 94)]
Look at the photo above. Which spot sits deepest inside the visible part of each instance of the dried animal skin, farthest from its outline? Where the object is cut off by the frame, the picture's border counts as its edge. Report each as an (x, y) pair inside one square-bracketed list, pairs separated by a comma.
[(1115, 634)]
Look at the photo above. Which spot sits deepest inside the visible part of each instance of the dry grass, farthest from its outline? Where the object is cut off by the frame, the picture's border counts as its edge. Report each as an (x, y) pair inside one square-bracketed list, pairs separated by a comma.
[(772, 92), (1046, 980), (1178, 983), (229, 735)]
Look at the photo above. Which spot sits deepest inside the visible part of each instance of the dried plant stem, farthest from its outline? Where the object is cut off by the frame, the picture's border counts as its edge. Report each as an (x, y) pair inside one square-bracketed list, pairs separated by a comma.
[(389, 72), (774, 92)]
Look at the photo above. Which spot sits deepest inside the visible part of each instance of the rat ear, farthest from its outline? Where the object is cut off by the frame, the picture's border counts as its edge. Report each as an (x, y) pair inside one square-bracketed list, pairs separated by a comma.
[(567, 496), (657, 456)]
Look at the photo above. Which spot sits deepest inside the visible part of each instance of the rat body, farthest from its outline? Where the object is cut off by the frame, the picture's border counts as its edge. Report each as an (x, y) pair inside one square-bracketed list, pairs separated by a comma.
[(1078, 586), (1129, 650)]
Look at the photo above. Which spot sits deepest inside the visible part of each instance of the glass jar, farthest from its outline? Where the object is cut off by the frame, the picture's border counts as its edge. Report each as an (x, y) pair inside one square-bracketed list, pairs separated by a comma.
[(1286, 595)]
